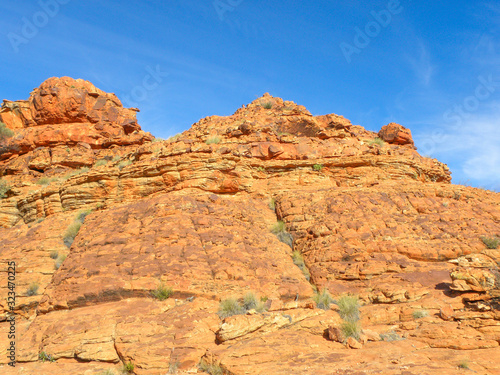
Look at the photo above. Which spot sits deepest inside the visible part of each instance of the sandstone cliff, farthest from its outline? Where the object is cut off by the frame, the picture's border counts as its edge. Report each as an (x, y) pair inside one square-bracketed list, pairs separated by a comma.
[(97, 214)]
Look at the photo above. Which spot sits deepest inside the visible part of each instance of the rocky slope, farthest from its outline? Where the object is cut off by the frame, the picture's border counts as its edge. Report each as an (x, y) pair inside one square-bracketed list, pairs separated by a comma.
[(97, 214)]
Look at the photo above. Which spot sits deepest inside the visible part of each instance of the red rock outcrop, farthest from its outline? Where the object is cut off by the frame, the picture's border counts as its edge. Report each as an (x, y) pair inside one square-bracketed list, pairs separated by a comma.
[(196, 213)]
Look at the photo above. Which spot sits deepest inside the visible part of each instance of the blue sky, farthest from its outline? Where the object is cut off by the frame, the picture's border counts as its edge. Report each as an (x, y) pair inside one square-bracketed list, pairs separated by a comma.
[(432, 66)]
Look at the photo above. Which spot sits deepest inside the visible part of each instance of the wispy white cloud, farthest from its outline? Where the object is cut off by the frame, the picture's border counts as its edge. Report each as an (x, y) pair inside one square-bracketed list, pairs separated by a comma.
[(421, 63)]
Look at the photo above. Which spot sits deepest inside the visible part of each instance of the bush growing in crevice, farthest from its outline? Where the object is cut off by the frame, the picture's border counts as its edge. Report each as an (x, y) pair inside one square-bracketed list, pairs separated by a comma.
[(128, 368), (5, 132), (348, 308), (390, 336), (76, 172), (231, 306), (123, 164), (351, 329), (279, 230), (162, 292), (213, 140), (211, 369), (32, 289), (59, 261), (417, 314), (323, 299), (272, 204), (376, 141), (71, 232), (278, 227), (4, 188), (101, 162), (491, 242), (298, 260), (74, 227), (267, 104), (349, 312), (43, 356)]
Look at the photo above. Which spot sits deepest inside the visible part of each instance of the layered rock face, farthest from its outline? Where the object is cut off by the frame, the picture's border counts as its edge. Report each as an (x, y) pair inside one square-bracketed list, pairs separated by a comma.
[(98, 214)]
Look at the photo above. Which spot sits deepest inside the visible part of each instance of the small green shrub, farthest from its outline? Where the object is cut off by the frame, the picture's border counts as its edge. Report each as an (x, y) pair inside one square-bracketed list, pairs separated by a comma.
[(261, 169), (298, 260), (123, 164), (59, 261), (250, 302), (491, 242), (318, 167), (128, 368), (43, 181), (71, 232), (172, 367), (54, 254), (272, 204), (32, 289), (43, 356), (377, 141), (464, 364), (348, 308), (100, 162), (162, 292), (4, 188), (75, 172), (83, 214), (350, 329), (213, 140), (5, 132), (230, 307), (279, 227), (211, 369), (390, 336), (116, 158), (174, 138), (267, 105), (323, 299), (417, 314)]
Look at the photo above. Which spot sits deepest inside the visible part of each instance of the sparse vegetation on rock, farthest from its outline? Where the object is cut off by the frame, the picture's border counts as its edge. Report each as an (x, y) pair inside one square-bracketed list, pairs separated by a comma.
[(348, 308), (32, 289), (323, 299), (350, 329), (44, 357), (298, 260), (213, 140), (201, 217), (376, 141), (162, 292), (212, 369), (418, 314), (231, 306), (128, 368), (491, 242), (5, 132), (4, 188)]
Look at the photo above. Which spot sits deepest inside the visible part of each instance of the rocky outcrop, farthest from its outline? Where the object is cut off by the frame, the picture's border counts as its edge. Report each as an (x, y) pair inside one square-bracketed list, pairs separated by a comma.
[(67, 112), (270, 200)]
